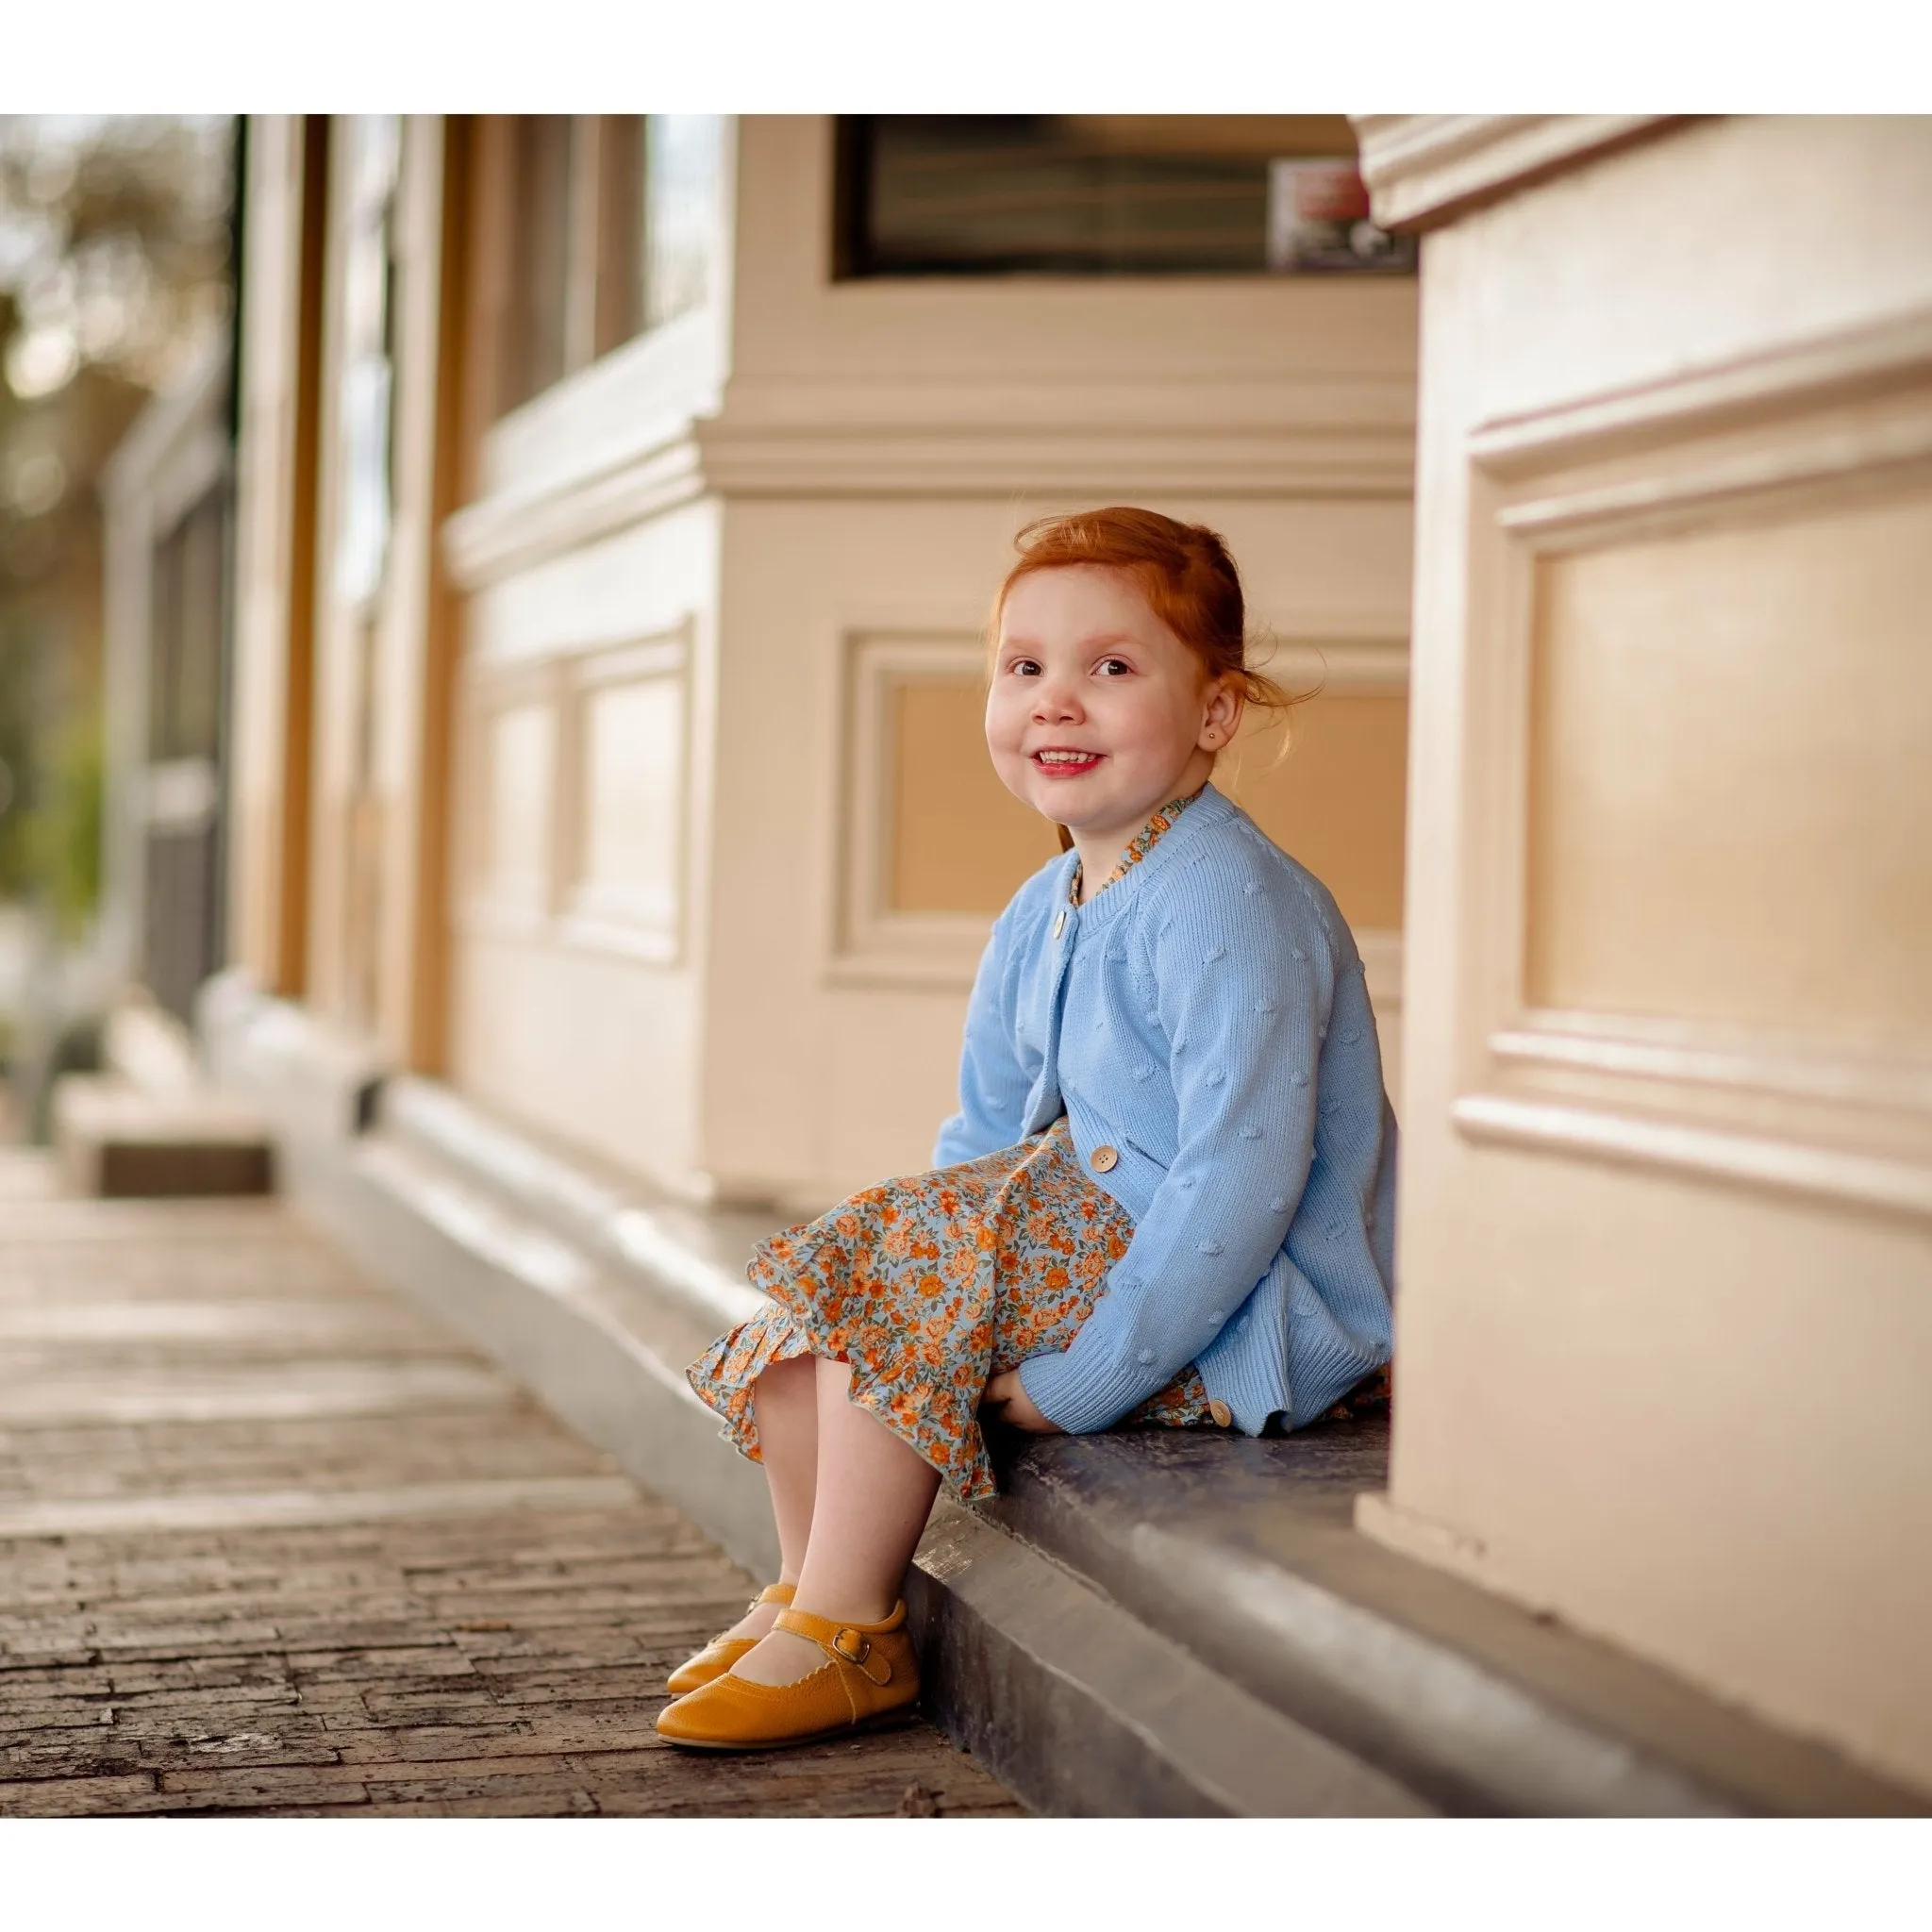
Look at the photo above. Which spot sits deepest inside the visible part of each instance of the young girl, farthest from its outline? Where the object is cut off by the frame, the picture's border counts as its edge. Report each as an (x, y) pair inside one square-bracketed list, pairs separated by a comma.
[(1168, 1194)]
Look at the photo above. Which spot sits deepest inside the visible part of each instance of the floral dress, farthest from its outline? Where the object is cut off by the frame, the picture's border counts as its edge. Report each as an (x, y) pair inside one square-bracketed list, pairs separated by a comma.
[(931, 1284)]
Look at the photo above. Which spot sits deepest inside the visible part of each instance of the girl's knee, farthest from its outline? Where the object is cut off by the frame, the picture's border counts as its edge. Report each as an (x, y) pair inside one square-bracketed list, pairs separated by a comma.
[(791, 1368)]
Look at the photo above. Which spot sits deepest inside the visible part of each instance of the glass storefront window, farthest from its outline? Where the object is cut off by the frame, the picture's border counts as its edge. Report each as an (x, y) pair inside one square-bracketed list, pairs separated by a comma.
[(1072, 194)]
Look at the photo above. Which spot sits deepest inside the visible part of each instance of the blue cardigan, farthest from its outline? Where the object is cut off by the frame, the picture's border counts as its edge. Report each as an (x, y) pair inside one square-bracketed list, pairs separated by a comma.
[(1203, 1024)]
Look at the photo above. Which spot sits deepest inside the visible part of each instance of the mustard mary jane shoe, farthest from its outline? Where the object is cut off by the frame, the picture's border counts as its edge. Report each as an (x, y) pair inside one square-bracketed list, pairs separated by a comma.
[(723, 1651), (869, 1674)]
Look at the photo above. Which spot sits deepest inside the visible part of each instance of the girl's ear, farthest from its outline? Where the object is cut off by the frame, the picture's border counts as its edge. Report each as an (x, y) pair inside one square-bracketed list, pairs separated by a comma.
[(1223, 716)]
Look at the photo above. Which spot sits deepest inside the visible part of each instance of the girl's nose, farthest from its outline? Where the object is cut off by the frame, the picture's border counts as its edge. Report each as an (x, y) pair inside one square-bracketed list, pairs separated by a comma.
[(1055, 701)]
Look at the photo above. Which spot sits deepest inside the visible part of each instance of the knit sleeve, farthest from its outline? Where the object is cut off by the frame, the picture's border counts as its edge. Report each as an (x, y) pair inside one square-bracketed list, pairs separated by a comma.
[(993, 1083), (1243, 991)]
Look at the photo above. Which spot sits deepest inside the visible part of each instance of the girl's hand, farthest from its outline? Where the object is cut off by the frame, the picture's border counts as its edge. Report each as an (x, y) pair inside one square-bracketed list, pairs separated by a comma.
[(1011, 1403)]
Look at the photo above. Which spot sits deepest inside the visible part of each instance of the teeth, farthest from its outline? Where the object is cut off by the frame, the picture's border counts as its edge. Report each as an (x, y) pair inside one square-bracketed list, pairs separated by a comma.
[(1063, 757)]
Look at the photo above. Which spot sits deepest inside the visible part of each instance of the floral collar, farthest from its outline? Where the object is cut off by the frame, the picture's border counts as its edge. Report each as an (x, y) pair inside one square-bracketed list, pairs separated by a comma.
[(1139, 846)]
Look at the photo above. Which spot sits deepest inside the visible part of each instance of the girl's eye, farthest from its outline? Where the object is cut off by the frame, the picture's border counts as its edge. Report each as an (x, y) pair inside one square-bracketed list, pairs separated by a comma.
[(1023, 667), (1114, 667)]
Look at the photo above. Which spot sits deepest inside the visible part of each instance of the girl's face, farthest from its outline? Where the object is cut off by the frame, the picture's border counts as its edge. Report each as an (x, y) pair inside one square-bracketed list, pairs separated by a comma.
[(1098, 713)]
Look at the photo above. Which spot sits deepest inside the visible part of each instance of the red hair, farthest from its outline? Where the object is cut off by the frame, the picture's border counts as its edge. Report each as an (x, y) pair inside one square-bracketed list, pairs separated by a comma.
[(1184, 572)]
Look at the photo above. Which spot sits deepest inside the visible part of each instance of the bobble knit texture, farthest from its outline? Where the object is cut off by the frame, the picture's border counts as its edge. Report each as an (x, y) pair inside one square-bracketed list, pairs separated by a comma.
[(1205, 1017)]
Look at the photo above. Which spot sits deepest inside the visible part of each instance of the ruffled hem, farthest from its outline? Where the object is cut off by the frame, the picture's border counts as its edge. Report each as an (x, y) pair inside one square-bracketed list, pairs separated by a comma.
[(929, 1285), (936, 1417)]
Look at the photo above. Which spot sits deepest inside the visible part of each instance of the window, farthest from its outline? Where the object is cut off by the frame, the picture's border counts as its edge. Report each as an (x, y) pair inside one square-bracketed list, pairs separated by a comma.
[(614, 228), (1106, 194), (679, 216)]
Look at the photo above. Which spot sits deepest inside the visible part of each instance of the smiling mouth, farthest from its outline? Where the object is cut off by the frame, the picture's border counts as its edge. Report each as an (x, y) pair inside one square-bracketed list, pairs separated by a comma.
[(1061, 761)]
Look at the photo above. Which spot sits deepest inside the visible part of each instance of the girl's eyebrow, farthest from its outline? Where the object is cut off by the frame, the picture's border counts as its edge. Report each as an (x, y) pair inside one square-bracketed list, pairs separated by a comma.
[(1106, 640)]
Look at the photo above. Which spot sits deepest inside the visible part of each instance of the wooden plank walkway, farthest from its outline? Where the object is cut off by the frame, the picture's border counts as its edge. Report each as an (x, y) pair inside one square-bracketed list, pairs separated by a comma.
[(272, 1542)]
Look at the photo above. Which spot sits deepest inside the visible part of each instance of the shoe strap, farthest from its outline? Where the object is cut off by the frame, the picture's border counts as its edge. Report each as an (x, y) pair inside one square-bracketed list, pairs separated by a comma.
[(848, 1643), (773, 1593)]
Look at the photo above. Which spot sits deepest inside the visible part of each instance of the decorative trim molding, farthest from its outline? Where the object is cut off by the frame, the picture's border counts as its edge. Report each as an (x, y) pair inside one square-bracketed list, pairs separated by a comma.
[(1424, 169), (510, 531), (1838, 420), (570, 911), (1812, 372), (607, 916), (1697, 1053), (1348, 436), (875, 945), (1783, 1165)]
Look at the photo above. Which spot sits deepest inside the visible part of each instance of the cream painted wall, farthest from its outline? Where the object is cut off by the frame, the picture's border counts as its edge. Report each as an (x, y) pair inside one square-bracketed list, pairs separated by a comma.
[(568, 1014), (838, 1061), (819, 483), (1666, 1314)]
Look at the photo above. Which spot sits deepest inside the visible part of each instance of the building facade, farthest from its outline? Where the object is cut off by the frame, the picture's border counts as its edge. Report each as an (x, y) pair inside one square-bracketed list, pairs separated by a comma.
[(614, 687), (619, 505)]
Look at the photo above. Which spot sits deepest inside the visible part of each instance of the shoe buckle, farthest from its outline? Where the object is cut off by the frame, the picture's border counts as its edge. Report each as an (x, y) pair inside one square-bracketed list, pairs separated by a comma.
[(853, 1657)]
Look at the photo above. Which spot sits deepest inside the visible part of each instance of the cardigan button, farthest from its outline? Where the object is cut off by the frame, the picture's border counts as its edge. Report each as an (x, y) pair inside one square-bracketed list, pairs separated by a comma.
[(1105, 1159), (1060, 922), (1221, 1412)]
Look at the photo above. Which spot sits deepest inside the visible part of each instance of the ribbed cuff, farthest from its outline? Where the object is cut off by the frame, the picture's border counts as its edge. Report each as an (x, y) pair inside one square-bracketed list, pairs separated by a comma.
[(1078, 1403)]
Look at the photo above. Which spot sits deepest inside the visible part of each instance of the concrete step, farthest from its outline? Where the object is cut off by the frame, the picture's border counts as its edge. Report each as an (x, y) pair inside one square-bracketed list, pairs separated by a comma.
[(113, 1138), (1246, 1552), (1097, 1714), (1143, 1623)]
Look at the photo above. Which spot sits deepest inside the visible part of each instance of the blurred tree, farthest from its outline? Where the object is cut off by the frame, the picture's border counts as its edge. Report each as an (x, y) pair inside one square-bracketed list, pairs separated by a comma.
[(114, 272)]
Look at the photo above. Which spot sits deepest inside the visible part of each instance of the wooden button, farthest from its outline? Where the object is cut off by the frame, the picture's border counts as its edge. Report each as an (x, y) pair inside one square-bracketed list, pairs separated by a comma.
[(1106, 1159), (1221, 1412)]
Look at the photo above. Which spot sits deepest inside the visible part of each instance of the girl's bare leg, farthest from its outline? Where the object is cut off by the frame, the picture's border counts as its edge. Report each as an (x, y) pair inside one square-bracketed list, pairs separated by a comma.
[(874, 1492), (784, 1405)]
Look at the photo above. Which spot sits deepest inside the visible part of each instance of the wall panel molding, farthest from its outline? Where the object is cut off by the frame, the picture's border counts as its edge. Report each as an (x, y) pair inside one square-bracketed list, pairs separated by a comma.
[(876, 945), (565, 902), (1809, 453)]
